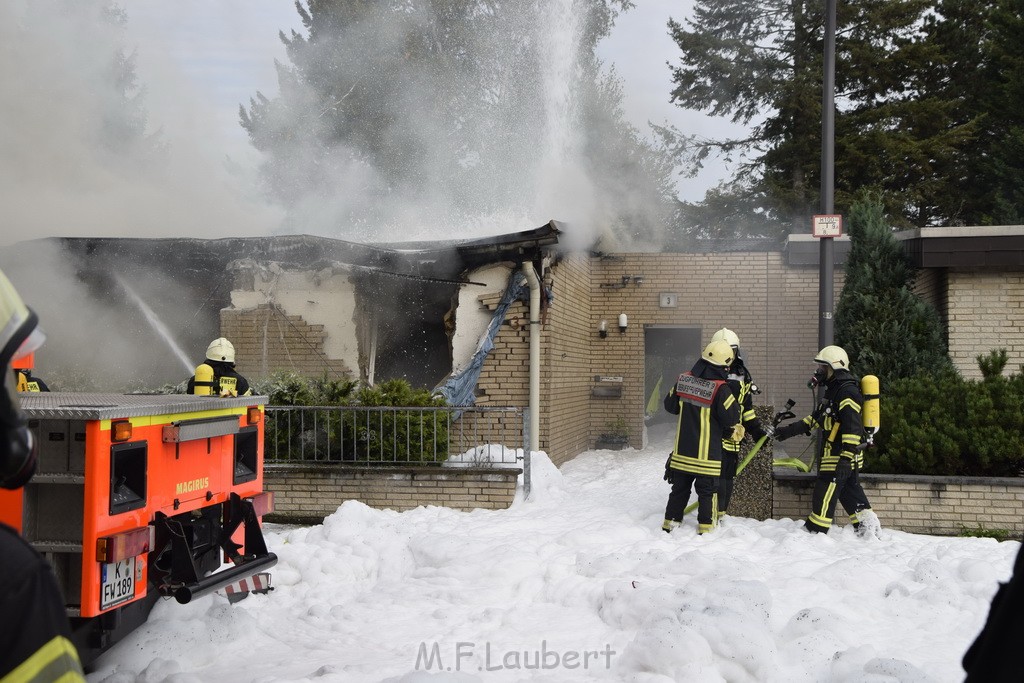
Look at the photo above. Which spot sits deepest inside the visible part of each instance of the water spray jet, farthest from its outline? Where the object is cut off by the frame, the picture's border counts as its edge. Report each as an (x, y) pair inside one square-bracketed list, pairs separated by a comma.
[(157, 324)]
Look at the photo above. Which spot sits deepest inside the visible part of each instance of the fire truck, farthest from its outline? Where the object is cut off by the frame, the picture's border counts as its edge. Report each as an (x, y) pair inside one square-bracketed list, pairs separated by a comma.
[(142, 497)]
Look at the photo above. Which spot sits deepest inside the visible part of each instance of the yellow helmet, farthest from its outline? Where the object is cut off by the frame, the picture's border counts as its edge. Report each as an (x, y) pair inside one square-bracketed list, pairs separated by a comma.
[(728, 336), (834, 357), (718, 352), (221, 349)]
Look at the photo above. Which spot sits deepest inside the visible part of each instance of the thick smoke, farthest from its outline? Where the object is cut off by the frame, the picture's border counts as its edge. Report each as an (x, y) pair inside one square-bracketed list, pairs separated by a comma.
[(102, 137), (396, 125), (115, 325), (80, 154)]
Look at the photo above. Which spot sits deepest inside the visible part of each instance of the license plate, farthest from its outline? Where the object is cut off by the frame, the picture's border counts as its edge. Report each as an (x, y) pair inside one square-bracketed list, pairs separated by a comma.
[(117, 583)]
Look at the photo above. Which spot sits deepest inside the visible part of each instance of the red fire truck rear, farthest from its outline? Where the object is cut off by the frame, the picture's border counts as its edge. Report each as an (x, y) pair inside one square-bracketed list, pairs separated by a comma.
[(138, 497)]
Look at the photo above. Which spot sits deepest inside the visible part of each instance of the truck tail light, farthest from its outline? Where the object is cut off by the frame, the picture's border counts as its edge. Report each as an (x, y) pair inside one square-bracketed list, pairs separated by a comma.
[(253, 415), (263, 503), (120, 430), (110, 549)]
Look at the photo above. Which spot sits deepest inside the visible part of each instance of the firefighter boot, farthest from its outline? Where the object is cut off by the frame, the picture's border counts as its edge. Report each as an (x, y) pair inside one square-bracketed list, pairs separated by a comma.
[(866, 523)]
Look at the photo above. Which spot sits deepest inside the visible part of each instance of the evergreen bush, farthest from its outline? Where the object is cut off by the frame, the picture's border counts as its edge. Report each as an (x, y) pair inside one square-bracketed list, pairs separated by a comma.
[(945, 425), (886, 329), (358, 436)]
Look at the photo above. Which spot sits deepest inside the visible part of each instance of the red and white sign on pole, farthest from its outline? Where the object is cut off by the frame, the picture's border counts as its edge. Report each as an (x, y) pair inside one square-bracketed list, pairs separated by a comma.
[(827, 225)]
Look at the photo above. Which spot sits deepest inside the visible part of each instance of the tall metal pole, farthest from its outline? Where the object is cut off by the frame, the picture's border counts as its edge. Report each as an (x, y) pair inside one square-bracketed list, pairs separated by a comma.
[(828, 132)]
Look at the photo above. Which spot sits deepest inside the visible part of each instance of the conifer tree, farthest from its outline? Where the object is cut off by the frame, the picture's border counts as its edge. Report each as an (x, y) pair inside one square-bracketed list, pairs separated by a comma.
[(999, 173), (928, 97), (886, 329)]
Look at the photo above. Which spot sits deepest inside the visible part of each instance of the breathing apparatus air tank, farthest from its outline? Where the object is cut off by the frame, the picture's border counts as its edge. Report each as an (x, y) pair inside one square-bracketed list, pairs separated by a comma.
[(870, 413), (203, 385)]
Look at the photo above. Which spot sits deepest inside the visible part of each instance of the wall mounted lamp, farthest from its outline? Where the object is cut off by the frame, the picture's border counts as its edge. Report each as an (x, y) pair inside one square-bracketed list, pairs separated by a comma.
[(602, 328), (623, 323)]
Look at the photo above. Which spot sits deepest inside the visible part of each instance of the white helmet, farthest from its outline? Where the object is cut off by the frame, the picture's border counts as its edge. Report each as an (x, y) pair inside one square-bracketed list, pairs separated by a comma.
[(728, 336), (221, 349), (834, 357), (718, 352)]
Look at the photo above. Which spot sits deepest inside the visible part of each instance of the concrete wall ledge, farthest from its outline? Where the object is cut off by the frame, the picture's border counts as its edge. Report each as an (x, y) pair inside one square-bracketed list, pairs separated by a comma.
[(306, 493), (402, 470), (787, 474), (943, 506)]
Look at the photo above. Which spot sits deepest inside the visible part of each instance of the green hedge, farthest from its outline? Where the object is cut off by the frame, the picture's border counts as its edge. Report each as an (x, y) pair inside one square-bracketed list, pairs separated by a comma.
[(355, 436), (950, 426)]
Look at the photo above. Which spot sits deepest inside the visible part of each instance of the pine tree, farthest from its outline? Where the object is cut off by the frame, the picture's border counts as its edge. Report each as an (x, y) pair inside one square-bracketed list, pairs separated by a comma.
[(886, 329), (999, 168), (908, 116)]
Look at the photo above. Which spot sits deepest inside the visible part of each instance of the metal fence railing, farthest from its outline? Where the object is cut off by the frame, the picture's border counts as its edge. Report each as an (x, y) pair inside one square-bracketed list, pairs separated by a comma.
[(374, 436)]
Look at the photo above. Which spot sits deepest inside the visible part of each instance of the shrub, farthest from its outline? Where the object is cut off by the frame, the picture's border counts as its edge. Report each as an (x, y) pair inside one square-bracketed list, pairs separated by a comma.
[(946, 425), (366, 436), (886, 329)]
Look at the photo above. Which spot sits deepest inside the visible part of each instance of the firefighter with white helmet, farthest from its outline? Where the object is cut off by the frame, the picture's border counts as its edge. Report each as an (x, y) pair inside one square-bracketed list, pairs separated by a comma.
[(708, 412), (742, 386), (35, 636), (838, 415), (217, 376)]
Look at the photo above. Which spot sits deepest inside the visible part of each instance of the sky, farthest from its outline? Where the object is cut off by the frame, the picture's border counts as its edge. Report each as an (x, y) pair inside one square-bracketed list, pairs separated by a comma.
[(579, 583)]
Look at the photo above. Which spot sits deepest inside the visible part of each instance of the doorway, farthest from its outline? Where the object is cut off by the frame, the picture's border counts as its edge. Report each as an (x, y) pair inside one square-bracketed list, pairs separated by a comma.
[(668, 351)]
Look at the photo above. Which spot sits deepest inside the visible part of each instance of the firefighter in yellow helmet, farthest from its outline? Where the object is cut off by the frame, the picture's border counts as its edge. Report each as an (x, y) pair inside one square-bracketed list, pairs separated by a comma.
[(216, 376), (708, 412), (840, 458), (35, 636), (23, 377), (743, 388)]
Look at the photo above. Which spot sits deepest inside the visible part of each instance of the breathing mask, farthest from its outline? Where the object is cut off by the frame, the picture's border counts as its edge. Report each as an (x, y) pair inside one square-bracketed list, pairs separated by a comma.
[(819, 377)]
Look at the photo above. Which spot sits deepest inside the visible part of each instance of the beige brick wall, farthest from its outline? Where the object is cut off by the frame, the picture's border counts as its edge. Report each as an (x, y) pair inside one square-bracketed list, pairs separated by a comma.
[(569, 339), (771, 306), (308, 493), (923, 505), (985, 313), (267, 341)]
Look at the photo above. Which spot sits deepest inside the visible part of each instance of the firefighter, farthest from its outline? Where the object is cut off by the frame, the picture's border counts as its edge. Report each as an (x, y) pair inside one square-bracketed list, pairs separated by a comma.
[(743, 388), (23, 377), (35, 636), (708, 412), (217, 375), (840, 458)]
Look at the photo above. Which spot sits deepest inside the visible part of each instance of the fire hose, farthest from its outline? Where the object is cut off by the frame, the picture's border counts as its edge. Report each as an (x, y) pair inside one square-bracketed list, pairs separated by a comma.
[(784, 414)]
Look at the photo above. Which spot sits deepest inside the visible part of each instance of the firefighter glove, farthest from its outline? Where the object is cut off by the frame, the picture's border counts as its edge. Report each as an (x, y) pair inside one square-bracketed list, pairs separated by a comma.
[(668, 469), (756, 431), (792, 429), (737, 433)]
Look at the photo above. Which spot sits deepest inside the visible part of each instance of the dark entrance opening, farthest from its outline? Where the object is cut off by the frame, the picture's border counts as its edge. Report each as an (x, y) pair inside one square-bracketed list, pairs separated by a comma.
[(668, 351)]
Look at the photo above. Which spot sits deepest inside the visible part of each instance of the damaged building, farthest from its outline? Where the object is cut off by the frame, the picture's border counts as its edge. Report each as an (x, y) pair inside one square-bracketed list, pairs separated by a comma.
[(588, 338)]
